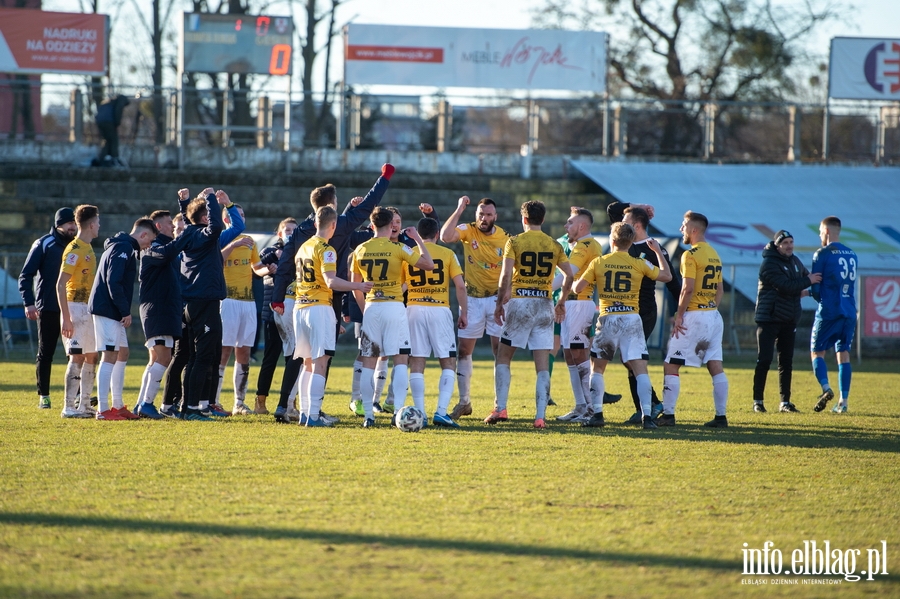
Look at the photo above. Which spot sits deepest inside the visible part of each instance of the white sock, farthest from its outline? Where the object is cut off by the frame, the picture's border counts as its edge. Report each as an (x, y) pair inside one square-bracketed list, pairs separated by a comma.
[(584, 371), (240, 379), (381, 368), (88, 374), (143, 390), (644, 392), (156, 373), (390, 389), (399, 384), (671, 389), (577, 390), (316, 395), (117, 383), (354, 386), (367, 390), (417, 387), (445, 390), (304, 399), (219, 388), (720, 393), (542, 394), (464, 378), (73, 381), (598, 387), (104, 375), (501, 386)]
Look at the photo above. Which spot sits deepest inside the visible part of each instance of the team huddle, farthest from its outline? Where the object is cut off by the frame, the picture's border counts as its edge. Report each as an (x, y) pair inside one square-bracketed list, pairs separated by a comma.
[(525, 291)]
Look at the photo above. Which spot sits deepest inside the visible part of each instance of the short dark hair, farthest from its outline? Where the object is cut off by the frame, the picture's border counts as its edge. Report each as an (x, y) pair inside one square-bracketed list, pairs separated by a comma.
[(323, 196), (144, 223), (158, 214), (487, 201), (639, 215), (622, 235), (325, 215), (577, 211), (196, 210), (832, 221), (534, 212), (381, 217), (395, 210), (288, 221), (697, 218), (428, 228), (84, 213)]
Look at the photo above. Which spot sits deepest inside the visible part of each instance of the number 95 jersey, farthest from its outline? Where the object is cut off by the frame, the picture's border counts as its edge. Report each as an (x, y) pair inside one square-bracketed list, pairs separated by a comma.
[(536, 257)]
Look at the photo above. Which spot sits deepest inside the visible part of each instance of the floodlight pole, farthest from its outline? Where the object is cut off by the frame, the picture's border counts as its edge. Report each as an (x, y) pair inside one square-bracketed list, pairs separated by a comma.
[(825, 132)]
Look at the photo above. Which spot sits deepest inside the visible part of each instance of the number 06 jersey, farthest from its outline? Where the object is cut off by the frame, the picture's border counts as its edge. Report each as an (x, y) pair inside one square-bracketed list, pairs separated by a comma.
[(618, 278), (432, 287), (536, 255), (702, 264)]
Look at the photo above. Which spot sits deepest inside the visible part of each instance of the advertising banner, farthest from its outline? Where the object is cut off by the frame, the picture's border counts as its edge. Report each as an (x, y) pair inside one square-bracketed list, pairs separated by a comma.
[(881, 307), (492, 58), (35, 42), (864, 69)]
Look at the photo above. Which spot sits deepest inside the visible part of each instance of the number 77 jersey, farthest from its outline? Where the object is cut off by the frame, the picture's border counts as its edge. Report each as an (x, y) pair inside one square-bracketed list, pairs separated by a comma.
[(702, 264)]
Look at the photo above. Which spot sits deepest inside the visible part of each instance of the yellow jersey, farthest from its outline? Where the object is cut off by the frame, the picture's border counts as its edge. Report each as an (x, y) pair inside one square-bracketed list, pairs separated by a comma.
[(618, 279), (314, 258), (536, 256), (702, 264), (582, 254), (432, 287), (80, 262), (382, 262), (239, 271), (483, 255)]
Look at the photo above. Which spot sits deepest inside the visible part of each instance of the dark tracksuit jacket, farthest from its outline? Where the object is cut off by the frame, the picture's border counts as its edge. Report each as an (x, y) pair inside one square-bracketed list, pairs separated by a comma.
[(44, 261), (160, 287), (114, 284)]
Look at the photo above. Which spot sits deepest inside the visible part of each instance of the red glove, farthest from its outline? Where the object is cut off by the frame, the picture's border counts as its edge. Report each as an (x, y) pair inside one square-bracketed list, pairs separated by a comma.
[(387, 170), (278, 305)]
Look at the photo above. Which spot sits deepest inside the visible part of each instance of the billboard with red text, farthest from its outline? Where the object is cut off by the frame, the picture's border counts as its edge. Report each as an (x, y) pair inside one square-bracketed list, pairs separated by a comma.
[(881, 307), (493, 58), (35, 42)]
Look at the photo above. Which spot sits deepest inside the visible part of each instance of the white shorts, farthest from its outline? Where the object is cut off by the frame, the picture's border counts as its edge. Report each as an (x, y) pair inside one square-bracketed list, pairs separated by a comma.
[(528, 323), (701, 342), (110, 334), (575, 332), (83, 340), (238, 323), (480, 317), (431, 330), (164, 340), (285, 325), (385, 330), (624, 332), (314, 332)]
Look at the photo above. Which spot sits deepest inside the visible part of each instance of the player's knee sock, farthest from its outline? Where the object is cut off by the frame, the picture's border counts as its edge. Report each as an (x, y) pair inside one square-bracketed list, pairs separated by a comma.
[(417, 388), (654, 400), (390, 389), (219, 385), (240, 379), (464, 378), (399, 384), (821, 372), (117, 383), (598, 388), (303, 405), (104, 375), (642, 388), (635, 396), (552, 360), (501, 385), (367, 390), (381, 367), (584, 372), (720, 393), (671, 389), (154, 378), (73, 381), (316, 395), (86, 388), (354, 386), (575, 379), (845, 373), (144, 382), (445, 390), (542, 393)]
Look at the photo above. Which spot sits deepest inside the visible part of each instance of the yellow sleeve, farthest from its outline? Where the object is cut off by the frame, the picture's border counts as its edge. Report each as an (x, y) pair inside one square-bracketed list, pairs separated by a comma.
[(509, 250), (590, 274), (688, 266), (254, 254), (455, 267)]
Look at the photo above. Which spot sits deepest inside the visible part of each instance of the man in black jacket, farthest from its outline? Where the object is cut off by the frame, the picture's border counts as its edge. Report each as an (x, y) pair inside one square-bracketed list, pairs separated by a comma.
[(783, 280), (44, 260)]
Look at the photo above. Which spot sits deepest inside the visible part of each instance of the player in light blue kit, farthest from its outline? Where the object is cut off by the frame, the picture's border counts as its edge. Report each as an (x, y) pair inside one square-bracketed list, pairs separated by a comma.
[(835, 323)]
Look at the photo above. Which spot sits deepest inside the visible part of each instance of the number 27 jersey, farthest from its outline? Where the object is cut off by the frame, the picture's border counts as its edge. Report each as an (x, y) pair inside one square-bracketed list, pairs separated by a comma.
[(702, 264)]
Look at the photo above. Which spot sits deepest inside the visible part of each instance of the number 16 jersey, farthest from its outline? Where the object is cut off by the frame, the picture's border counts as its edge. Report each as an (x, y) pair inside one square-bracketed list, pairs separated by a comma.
[(618, 278)]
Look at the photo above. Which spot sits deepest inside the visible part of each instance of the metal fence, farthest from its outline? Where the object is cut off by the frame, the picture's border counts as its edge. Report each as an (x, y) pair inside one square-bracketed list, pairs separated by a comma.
[(713, 131)]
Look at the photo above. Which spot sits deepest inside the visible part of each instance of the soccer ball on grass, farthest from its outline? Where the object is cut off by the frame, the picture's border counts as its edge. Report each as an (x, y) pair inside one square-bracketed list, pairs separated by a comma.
[(409, 419)]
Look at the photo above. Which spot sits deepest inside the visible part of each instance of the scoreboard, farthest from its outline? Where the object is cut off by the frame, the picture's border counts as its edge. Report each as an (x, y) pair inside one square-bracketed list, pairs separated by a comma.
[(236, 43)]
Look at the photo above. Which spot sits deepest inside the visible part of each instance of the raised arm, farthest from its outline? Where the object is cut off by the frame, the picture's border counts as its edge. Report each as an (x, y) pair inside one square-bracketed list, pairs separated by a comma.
[(424, 262), (449, 232), (665, 274)]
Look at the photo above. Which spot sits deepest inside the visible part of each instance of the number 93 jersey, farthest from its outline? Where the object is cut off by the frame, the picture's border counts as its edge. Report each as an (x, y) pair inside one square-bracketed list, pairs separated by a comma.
[(536, 256), (618, 278), (432, 287), (702, 264), (314, 258)]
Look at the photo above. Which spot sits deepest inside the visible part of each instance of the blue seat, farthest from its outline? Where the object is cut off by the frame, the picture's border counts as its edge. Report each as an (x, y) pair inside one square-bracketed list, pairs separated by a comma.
[(13, 326)]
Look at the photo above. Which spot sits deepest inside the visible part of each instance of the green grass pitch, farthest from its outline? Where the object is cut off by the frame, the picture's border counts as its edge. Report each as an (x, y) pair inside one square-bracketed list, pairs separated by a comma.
[(243, 507)]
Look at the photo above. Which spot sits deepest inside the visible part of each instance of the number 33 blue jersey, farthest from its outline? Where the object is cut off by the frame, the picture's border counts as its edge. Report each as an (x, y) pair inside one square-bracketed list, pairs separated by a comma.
[(836, 293)]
